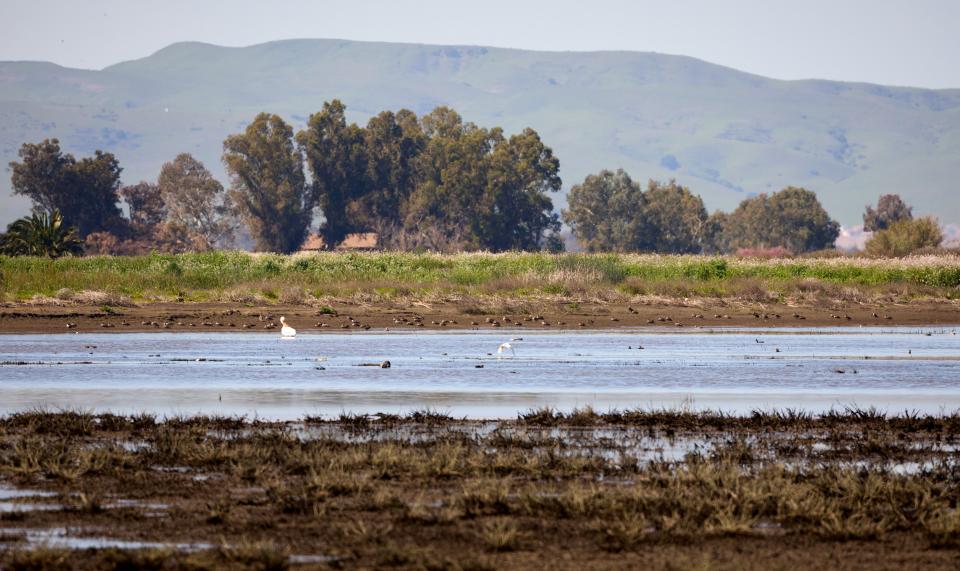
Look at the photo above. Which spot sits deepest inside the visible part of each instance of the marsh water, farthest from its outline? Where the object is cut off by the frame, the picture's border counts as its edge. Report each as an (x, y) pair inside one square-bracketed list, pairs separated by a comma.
[(461, 372)]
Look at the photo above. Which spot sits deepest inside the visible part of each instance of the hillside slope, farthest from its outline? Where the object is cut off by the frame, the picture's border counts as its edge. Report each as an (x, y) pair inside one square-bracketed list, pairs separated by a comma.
[(725, 133)]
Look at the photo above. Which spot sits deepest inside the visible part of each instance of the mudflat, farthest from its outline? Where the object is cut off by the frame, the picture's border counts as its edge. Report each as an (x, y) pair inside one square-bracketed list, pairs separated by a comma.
[(351, 315), (627, 489)]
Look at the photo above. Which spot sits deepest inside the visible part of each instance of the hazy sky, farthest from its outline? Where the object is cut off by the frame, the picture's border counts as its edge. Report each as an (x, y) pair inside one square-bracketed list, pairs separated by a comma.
[(899, 42)]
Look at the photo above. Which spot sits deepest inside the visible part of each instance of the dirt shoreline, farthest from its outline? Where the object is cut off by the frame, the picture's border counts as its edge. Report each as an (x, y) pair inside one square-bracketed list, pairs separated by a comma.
[(27, 318)]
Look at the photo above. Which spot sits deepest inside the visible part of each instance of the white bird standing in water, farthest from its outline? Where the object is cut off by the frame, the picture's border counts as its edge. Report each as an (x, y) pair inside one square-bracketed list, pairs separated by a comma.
[(505, 347), (286, 330)]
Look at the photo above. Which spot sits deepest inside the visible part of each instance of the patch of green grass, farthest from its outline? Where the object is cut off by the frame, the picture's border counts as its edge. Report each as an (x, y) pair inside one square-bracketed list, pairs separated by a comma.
[(213, 275)]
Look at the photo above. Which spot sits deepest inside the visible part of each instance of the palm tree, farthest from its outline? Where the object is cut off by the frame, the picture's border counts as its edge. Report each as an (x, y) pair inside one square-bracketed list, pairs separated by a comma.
[(40, 235)]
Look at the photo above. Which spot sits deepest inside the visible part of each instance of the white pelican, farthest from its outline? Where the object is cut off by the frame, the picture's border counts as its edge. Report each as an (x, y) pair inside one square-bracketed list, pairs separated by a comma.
[(286, 330), (505, 347)]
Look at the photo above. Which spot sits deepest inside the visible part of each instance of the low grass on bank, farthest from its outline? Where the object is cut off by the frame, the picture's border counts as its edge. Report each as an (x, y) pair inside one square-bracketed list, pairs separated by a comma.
[(240, 276)]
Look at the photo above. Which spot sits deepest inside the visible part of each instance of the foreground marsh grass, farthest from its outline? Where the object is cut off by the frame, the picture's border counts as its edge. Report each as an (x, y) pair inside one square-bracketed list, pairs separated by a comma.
[(851, 489), (238, 276)]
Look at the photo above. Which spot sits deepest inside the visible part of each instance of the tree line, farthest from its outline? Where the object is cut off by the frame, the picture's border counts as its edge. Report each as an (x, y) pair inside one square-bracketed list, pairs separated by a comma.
[(610, 211), (186, 209), (434, 182)]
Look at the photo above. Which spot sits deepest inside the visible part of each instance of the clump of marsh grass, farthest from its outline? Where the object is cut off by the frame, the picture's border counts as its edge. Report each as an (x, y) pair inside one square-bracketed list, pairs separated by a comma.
[(624, 532), (293, 295), (95, 297), (484, 497), (500, 535), (248, 554), (84, 502), (429, 416), (943, 528)]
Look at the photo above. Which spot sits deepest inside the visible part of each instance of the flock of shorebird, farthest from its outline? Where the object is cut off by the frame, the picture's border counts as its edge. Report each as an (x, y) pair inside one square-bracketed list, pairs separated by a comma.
[(287, 332)]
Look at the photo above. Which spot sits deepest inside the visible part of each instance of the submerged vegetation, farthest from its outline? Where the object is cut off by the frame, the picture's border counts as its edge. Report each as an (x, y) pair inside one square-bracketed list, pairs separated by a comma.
[(660, 489), (238, 276)]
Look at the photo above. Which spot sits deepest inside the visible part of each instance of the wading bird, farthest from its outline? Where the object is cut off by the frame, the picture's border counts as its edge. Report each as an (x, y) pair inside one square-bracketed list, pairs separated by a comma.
[(506, 347), (286, 330)]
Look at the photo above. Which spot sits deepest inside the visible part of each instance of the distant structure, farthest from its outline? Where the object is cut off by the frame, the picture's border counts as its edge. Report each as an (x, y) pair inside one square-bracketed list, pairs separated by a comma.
[(358, 242)]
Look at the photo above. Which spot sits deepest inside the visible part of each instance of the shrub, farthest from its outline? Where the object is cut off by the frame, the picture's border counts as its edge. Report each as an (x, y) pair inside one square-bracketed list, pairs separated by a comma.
[(905, 237), (40, 235)]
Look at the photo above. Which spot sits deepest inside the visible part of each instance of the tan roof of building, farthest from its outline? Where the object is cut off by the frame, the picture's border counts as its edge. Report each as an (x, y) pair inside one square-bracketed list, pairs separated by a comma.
[(357, 241), (313, 242)]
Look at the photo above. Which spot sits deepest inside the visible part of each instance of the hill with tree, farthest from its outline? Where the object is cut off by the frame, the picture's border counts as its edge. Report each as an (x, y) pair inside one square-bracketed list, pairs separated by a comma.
[(725, 134)]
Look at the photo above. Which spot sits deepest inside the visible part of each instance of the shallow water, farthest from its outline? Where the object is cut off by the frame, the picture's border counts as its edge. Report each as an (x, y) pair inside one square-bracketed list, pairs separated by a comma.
[(262, 375), (79, 539), (10, 493), (65, 538)]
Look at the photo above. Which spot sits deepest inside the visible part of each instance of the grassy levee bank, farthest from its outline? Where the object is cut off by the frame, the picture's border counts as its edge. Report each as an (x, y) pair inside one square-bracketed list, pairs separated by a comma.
[(239, 276)]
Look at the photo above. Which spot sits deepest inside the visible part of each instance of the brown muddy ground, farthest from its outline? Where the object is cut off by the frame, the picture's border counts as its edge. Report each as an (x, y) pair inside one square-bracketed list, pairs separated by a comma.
[(581, 491), (392, 316)]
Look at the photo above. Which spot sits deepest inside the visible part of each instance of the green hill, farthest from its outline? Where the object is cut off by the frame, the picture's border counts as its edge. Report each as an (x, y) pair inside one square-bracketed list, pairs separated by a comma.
[(725, 133)]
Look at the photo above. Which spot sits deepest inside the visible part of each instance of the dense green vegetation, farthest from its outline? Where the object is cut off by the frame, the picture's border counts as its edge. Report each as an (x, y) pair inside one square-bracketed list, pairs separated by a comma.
[(609, 212), (40, 234), (792, 219), (432, 183), (435, 182), (269, 184), (890, 209), (85, 191), (229, 275), (905, 236)]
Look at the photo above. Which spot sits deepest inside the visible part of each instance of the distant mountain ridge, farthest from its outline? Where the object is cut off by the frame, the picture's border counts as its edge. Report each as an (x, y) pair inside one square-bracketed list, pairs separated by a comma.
[(725, 133)]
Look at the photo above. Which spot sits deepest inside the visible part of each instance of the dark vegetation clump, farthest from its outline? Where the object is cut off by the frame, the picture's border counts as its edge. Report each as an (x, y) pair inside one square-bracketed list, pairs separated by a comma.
[(782, 419)]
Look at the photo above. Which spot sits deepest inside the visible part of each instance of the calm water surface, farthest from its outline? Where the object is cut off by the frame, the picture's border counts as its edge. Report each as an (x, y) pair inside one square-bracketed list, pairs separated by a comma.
[(262, 375)]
